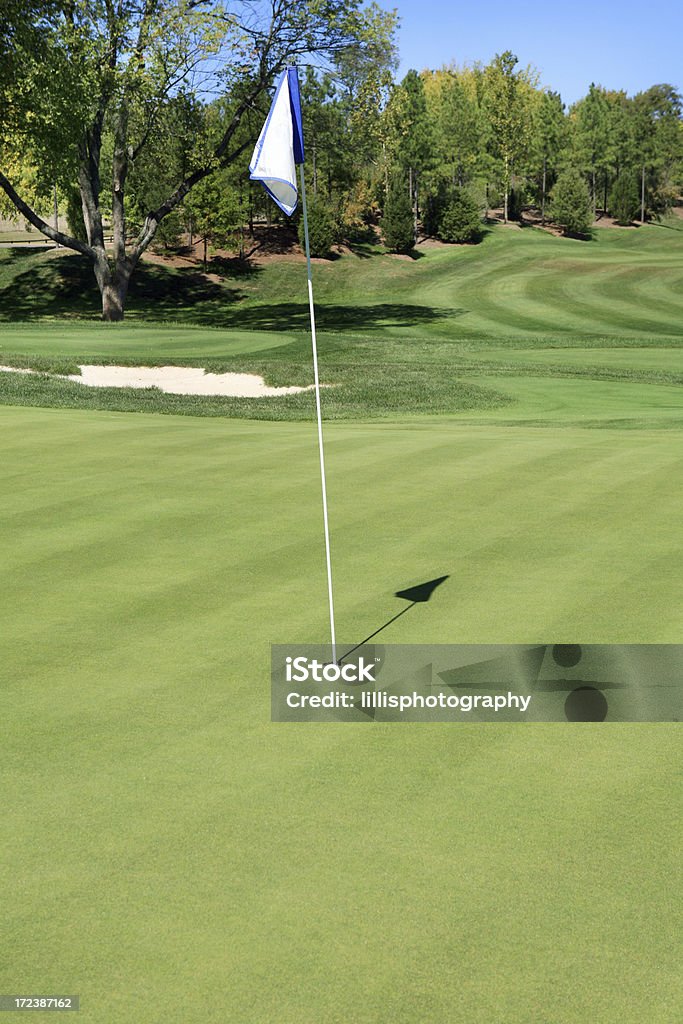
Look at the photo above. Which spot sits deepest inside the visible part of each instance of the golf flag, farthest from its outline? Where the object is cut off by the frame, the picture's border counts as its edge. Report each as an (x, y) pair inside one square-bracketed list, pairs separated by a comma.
[(280, 146), (279, 149)]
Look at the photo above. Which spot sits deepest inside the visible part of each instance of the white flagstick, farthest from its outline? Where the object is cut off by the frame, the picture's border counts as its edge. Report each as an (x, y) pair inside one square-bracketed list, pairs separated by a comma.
[(318, 413)]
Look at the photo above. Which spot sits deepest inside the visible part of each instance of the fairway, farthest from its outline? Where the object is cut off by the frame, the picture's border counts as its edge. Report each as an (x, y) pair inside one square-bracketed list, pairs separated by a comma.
[(666, 360), (175, 857), (459, 330)]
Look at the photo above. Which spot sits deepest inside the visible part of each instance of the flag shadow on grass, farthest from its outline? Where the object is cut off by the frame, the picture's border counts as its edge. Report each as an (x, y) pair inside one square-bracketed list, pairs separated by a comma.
[(419, 594)]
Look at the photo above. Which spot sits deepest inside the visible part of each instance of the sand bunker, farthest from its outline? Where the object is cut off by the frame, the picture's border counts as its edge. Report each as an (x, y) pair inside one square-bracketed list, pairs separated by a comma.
[(174, 380)]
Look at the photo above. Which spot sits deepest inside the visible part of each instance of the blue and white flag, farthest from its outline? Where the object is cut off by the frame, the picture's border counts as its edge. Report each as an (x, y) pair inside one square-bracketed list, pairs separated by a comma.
[(280, 146)]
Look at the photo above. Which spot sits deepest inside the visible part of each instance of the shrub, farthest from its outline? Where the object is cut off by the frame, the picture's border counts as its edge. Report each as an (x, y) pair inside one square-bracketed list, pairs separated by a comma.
[(460, 220), (322, 229), (435, 203), (517, 200), (571, 204), (624, 200), (359, 212), (397, 223)]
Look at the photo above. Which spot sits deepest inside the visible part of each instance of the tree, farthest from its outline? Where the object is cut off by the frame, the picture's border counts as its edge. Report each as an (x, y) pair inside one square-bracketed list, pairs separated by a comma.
[(458, 126), (460, 220), (619, 155), (413, 141), (659, 146), (397, 222), (591, 120), (507, 95), (571, 203), (436, 202), (325, 132), (214, 207), (98, 75), (624, 200), (550, 130), (365, 79), (322, 232)]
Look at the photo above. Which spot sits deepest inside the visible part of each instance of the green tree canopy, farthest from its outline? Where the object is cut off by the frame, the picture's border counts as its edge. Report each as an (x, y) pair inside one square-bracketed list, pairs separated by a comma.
[(571, 202), (97, 78), (508, 103), (397, 222)]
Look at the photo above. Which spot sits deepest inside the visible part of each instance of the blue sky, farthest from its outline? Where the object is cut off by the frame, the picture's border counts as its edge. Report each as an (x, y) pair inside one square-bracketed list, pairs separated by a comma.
[(624, 45)]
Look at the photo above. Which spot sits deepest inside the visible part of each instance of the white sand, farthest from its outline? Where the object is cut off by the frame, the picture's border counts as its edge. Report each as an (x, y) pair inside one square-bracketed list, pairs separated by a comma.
[(174, 380), (13, 369)]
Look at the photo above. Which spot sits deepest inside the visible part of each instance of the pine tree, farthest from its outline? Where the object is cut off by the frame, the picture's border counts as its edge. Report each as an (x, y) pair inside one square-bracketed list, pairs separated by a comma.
[(571, 203), (549, 137), (397, 222), (591, 137), (411, 135), (624, 199), (460, 220), (322, 233)]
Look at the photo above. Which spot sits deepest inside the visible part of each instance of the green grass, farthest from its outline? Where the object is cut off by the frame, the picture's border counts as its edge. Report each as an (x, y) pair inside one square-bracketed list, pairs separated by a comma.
[(166, 847), (170, 854), (397, 335)]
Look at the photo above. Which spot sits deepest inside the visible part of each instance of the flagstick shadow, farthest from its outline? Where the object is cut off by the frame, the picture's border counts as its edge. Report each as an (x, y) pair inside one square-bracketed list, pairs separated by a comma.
[(388, 623), (419, 594)]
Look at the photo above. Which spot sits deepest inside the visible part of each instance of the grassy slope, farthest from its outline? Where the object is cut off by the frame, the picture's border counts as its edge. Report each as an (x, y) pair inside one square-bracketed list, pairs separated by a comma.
[(397, 335), (164, 840)]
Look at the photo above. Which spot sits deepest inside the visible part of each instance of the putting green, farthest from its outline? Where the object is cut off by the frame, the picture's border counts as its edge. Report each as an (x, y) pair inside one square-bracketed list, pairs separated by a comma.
[(97, 340), (171, 855)]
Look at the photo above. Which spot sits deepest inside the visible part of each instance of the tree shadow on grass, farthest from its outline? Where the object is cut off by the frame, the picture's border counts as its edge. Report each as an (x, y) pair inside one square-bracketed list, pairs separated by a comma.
[(233, 266), (19, 252), (364, 250), (164, 290), (66, 287), (294, 316)]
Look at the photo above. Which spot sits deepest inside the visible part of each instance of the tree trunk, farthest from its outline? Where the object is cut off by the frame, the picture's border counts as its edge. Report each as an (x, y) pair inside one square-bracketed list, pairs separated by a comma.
[(642, 195), (506, 190), (113, 302), (412, 188), (56, 209), (113, 287), (416, 209), (543, 192)]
